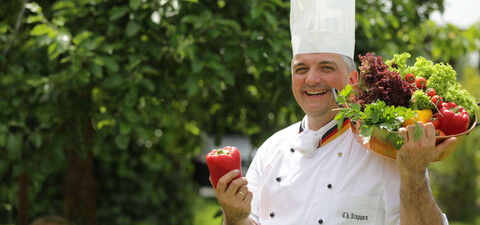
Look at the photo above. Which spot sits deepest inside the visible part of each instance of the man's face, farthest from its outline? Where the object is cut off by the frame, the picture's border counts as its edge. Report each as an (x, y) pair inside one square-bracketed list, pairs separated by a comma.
[(313, 77)]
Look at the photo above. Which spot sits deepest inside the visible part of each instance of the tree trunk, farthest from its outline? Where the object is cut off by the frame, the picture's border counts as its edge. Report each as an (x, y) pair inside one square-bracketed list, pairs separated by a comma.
[(79, 184), (22, 216), (79, 189)]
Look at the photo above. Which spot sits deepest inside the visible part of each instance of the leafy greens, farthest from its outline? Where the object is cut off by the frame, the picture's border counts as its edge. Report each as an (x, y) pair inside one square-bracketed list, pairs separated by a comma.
[(377, 114)]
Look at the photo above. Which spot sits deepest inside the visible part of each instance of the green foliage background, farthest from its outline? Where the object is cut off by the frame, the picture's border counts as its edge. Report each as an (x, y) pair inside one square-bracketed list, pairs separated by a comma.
[(139, 84)]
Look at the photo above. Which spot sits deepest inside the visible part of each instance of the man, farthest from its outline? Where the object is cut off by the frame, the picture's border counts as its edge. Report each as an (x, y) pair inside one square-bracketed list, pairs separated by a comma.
[(313, 172)]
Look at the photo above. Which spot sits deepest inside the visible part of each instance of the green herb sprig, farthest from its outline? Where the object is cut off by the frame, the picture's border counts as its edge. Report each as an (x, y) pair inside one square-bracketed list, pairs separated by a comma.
[(377, 114)]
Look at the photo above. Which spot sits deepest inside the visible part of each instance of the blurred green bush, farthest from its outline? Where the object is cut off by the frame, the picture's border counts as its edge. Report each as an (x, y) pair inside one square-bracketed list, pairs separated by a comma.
[(104, 104)]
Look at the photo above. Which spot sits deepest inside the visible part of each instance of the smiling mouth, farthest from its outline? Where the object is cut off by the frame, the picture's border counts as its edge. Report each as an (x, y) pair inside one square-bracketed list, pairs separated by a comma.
[(315, 93)]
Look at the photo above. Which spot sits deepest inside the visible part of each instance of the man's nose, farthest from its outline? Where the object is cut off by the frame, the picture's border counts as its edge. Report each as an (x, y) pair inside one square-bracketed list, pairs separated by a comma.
[(313, 77)]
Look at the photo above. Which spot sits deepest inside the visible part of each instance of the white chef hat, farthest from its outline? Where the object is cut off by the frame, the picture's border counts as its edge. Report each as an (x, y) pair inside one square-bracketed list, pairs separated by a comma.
[(323, 26)]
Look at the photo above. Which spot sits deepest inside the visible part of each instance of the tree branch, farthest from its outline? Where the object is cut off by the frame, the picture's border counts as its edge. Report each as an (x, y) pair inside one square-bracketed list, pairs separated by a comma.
[(17, 28)]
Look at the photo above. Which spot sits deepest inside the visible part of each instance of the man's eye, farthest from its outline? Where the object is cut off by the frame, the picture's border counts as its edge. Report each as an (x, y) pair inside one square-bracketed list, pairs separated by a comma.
[(328, 68), (300, 70)]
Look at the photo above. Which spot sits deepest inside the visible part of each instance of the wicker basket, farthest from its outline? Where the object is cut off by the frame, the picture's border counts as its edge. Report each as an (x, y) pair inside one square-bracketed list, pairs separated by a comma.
[(379, 144)]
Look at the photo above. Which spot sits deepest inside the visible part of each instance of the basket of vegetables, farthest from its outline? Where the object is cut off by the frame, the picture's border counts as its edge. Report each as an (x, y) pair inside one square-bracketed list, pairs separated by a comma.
[(392, 94)]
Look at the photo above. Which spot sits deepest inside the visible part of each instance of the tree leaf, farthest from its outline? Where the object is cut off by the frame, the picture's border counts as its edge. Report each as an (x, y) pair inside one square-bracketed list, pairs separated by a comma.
[(14, 145), (40, 29), (96, 70), (111, 64), (113, 81), (122, 141), (83, 76), (191, 85), (36, 139), (148, 85), (272, 20), (79, 38), (130, 115), (135, 4), (131, 97), (34, 19), (197, 65), (228, 77), (141, 132), (118, 12), (33, 7), (63, 5), (125, 128), (132, 28)]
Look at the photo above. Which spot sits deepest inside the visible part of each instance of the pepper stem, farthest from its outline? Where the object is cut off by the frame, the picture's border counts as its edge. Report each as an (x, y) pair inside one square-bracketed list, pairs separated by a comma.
[(456, 109), (222, 152)]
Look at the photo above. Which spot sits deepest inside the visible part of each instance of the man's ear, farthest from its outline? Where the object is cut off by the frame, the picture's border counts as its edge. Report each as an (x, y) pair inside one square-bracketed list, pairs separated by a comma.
[(353, 77)]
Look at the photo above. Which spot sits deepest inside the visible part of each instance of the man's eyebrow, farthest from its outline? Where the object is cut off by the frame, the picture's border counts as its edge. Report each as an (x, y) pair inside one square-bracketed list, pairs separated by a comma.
[(320, 63), (328, 62), (298, 64)]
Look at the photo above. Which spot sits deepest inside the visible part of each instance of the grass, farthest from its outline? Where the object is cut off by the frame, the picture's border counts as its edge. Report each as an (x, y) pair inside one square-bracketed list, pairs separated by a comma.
[(476, 221), (207, 212)]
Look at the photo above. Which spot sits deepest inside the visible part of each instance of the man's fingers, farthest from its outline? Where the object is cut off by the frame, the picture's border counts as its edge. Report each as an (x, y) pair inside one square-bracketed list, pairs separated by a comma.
[(236, 185), (247, 201), (249, 197), (440, 148), (211, 182), (242, 192), (403, 132), (408, 133), (429, 130), (411, 131), (226, 179)]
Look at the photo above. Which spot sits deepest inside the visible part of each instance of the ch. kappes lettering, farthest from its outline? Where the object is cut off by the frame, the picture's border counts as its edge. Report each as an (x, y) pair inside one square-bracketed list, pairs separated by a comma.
[(353, 216)]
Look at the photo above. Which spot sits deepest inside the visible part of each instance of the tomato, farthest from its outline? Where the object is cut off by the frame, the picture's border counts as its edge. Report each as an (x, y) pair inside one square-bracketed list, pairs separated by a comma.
[(421, 82), (410, 78), (436, 122), (439, 132), (437, 100), (431, 92)]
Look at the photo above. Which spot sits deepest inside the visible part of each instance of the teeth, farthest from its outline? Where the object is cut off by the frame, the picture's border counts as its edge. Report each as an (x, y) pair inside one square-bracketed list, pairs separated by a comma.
[(316, 92)]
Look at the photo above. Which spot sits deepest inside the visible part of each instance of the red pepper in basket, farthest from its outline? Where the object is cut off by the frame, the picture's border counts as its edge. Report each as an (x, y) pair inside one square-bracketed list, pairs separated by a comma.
[(222, 161), (454, 119)]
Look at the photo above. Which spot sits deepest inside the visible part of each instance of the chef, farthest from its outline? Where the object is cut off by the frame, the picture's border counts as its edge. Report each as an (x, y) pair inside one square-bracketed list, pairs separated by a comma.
[(314, 172)]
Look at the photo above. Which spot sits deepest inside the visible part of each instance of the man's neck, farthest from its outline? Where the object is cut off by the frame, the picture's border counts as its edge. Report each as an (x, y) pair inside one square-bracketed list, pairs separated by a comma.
[(315, 123)]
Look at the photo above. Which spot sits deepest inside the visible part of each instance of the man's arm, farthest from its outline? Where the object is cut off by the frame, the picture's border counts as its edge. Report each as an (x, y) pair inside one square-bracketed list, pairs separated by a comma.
[(417, 205), (235, 198)]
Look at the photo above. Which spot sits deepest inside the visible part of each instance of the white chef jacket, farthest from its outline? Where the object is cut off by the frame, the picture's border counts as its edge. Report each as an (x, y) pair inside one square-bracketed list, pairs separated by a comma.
[(343, 183)]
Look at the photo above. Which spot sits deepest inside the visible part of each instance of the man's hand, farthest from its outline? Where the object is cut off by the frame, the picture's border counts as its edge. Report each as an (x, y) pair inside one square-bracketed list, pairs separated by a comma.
[(234, 197), (415, 155)]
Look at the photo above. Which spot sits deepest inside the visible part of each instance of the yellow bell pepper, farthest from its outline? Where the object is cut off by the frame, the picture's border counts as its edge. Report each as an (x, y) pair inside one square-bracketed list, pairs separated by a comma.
[(423, 116)]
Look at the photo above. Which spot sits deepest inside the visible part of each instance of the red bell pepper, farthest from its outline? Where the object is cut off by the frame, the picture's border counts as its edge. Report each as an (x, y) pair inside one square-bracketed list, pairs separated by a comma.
[(222, 161), (454, 119)]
